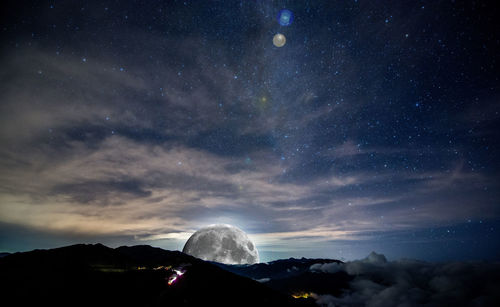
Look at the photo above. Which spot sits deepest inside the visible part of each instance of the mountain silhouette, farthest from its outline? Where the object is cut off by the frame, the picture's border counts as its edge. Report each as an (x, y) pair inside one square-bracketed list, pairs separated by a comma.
[(96, 275)]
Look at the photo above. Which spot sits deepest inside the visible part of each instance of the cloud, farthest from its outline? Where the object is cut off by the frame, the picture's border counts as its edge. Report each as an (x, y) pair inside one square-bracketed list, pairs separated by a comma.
[(173, 235), (326, 267), (157, 144), (122, 186), (378, 282)]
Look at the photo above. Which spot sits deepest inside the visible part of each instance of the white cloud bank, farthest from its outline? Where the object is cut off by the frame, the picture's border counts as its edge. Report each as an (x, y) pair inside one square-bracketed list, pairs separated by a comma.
[(378, 282)]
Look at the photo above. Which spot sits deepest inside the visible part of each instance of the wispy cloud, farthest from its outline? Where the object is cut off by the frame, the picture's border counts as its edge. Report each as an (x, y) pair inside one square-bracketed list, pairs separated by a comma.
[(158, 147)]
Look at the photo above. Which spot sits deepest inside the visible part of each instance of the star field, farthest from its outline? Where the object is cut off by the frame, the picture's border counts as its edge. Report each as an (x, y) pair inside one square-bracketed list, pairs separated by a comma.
[(375, 127)]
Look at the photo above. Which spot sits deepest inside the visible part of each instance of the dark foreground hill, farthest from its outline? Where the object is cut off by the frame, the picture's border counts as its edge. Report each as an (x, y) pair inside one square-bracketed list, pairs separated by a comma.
[(95, 275)]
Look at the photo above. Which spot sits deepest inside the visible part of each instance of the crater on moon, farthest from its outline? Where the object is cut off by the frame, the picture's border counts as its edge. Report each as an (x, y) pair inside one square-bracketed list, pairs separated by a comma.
[(222, 243)]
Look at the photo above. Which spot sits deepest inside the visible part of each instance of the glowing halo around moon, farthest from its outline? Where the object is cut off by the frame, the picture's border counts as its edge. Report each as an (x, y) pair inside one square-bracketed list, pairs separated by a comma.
[(279, 40), (222, 243)]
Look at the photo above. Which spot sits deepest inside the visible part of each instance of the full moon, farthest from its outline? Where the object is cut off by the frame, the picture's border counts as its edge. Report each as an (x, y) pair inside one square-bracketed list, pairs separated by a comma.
[(279, 40), (222, 243)]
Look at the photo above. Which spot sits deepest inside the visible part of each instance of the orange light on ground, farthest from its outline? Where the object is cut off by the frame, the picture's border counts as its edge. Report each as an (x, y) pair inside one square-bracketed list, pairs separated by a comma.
[(163, 267), (302, 295)]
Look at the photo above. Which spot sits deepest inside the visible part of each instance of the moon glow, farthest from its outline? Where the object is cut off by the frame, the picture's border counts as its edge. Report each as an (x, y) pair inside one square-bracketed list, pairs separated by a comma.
[(222, 243)]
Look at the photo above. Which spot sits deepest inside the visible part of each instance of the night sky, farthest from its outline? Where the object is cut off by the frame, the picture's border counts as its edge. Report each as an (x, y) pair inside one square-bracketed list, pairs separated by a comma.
[(374, 128)]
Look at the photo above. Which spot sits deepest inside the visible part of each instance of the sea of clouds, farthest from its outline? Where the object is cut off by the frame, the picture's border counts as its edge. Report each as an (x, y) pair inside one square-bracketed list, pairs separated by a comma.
[(378, 282)]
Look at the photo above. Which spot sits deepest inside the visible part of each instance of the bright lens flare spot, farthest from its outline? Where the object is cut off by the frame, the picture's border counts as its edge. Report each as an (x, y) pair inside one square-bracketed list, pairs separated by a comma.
[(285, 17), (279, 40)]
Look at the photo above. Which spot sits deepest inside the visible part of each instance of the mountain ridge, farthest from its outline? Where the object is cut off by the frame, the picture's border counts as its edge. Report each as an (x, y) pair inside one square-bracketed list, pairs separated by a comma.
[(84, 274)]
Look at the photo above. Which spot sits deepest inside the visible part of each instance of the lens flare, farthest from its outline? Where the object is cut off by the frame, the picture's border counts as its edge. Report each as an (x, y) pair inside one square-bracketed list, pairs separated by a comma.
[(285, 17), (279, 40)]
